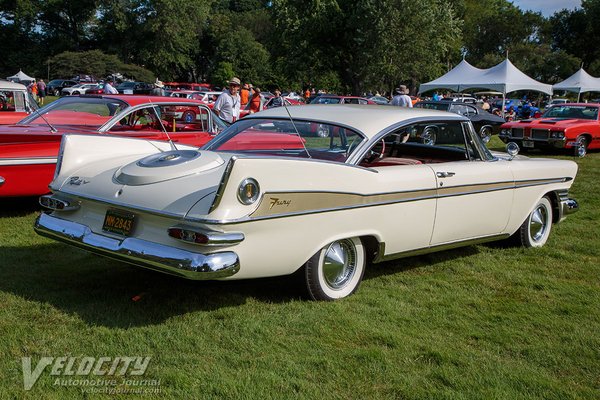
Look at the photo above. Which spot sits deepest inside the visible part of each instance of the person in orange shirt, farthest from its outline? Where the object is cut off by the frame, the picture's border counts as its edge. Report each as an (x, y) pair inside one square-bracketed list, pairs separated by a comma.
[(245, 95), (256, 102), (306, 95)]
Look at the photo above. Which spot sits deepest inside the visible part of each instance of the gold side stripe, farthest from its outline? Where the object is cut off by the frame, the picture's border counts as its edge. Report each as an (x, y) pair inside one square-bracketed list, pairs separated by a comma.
[(281, 204)]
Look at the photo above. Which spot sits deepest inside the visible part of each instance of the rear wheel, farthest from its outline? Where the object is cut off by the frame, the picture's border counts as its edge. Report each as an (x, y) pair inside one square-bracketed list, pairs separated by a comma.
[(536, 229), (580, 148), (336, 270)]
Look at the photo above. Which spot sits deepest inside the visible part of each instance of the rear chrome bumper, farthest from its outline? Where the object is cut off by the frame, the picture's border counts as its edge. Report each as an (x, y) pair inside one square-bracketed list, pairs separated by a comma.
[(143, 253), (568, 206)]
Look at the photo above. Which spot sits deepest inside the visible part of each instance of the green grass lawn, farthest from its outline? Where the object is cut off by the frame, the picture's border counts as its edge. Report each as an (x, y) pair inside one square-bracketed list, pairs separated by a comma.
[(481, 322)]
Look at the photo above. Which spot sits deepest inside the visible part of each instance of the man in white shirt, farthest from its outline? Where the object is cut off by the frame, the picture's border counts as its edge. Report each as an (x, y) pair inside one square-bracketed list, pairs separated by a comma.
[(227, 105), (402, 99), (109, 89)]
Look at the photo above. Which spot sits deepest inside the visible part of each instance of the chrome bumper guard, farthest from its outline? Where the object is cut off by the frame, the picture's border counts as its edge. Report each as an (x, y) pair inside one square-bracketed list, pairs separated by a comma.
[(568, 206), (143, 253)]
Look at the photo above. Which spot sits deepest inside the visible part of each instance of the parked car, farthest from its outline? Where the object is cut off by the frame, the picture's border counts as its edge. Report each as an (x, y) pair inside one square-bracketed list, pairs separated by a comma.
[(379, 100), (572, 126), (386, 183), (30, 148), (333, 99), (485, 123), (81, 88), (461, 99), (99, 89), (271, 102), (15, 102), (55, 86), (135, 88), (188, 94)]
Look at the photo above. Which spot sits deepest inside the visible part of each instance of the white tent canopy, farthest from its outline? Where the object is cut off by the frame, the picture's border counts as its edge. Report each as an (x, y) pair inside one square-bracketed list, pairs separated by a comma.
[(579, 82), (504, 77), (20, 77), (453, 79)]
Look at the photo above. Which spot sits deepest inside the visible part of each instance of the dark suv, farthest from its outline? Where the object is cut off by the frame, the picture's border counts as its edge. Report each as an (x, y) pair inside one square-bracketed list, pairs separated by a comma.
[(56, 86), (135, 88)]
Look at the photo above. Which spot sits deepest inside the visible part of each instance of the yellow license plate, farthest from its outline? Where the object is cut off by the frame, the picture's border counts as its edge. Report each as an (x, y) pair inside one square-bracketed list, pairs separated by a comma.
[(119, 222)]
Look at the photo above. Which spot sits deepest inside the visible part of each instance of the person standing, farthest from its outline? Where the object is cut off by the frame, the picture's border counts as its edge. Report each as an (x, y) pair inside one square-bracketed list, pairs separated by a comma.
[(227, 105), (402, 99), (245, 95), (277, 99), (158, 89), (41, 86), (110, 89), (34, 90), (256, 102)]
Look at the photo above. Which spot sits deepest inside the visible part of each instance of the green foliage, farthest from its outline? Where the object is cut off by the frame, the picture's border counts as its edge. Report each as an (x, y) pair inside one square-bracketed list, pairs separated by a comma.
[(96, 63), (222, 74)]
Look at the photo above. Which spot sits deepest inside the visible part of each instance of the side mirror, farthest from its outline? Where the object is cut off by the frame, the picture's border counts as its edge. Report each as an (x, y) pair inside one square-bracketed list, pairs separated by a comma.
[(512, 149)]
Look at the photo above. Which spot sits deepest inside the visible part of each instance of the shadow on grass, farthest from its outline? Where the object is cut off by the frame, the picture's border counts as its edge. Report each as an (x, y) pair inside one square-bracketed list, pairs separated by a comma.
[(105, 292), (19, 206)]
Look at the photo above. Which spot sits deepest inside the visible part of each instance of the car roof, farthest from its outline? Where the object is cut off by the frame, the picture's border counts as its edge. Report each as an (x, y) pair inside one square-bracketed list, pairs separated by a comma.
[(368, 119), (11, 85)]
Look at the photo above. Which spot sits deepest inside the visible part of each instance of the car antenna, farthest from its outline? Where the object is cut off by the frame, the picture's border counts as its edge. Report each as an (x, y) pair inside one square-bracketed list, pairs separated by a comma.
[(294, 125), (173, 147), (38, 113)]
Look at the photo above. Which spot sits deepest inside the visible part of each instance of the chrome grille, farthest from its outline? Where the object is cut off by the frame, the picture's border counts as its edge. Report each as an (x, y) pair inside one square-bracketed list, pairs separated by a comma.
[(540, 134), (517, 132)]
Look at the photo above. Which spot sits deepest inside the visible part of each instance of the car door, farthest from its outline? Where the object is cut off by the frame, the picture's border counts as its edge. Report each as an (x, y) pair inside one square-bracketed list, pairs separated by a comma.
[(474, 194), (189, 124)]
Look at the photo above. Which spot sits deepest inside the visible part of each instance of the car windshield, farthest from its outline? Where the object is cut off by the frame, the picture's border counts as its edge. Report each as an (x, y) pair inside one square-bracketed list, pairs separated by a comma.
[(125, 85), (433, 106), (278, 137), (326, 100), (87, 111), (579, 112)]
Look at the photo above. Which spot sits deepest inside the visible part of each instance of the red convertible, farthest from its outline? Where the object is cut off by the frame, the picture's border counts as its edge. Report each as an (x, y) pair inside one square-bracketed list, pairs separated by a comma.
[(571, 126), (30, 148)]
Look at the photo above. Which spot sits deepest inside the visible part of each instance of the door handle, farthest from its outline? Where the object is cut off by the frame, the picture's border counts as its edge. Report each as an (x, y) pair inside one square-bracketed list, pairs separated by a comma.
[(445, 174)]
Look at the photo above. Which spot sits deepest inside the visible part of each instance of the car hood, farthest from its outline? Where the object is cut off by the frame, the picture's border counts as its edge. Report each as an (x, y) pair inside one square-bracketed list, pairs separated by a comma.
[(548, 123)]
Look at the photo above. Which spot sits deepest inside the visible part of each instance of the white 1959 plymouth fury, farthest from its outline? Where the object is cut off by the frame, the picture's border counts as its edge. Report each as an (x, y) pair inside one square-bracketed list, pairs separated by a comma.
[(327, 190)]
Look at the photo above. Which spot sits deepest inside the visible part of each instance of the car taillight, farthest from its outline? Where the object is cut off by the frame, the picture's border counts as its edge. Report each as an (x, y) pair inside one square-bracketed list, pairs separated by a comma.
[(188, 235), (56, 204)]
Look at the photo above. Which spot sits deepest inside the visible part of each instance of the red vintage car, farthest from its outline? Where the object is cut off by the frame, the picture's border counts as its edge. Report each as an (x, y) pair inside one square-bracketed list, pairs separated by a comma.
[(571, 126), (15, 102), (29, 149)]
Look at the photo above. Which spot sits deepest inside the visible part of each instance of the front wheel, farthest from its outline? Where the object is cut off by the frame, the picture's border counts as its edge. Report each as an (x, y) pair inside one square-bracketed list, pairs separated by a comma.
[(336, 270), (580, 147), (57, 93), (536, 229)]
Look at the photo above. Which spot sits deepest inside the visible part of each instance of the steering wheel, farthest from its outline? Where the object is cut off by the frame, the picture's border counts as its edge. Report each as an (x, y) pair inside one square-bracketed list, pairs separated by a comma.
[(376, 152)]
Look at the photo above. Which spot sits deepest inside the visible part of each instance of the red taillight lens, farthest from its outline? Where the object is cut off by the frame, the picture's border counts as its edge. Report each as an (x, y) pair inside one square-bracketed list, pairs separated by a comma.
[(188, 235)]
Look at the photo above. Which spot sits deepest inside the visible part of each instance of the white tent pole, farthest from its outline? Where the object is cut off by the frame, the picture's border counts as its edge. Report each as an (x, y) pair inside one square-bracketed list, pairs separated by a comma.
[(578, 95)]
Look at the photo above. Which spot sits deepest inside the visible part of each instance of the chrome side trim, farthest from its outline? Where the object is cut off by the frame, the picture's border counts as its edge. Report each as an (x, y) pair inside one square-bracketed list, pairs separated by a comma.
[(378, 199), (27, 161), (381, 257), (214, 238), (142, 253), (222, 184), (2, 180)]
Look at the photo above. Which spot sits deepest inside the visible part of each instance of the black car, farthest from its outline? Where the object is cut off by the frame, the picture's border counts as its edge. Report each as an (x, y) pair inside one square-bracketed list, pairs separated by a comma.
[(56, 86), (485, 123), (135, 88)]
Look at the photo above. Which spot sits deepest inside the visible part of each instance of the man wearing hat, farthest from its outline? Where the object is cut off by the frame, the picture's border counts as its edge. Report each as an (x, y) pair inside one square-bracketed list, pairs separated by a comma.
[(401, 98), (158, 89), (227, 105)]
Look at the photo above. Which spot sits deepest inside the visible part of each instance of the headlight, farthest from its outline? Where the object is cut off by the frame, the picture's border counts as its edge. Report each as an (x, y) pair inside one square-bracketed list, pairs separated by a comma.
[(505, 132), (248, 191), (557, 135)]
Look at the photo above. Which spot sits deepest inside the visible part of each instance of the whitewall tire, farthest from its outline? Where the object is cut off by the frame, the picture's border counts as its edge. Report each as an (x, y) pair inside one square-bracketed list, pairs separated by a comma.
[(336, 270), (536, 229)]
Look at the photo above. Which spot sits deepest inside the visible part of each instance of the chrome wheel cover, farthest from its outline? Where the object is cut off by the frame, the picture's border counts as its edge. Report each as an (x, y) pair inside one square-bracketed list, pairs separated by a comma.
[(538, 223), (581, 149), (339, 263), (485, 134)]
